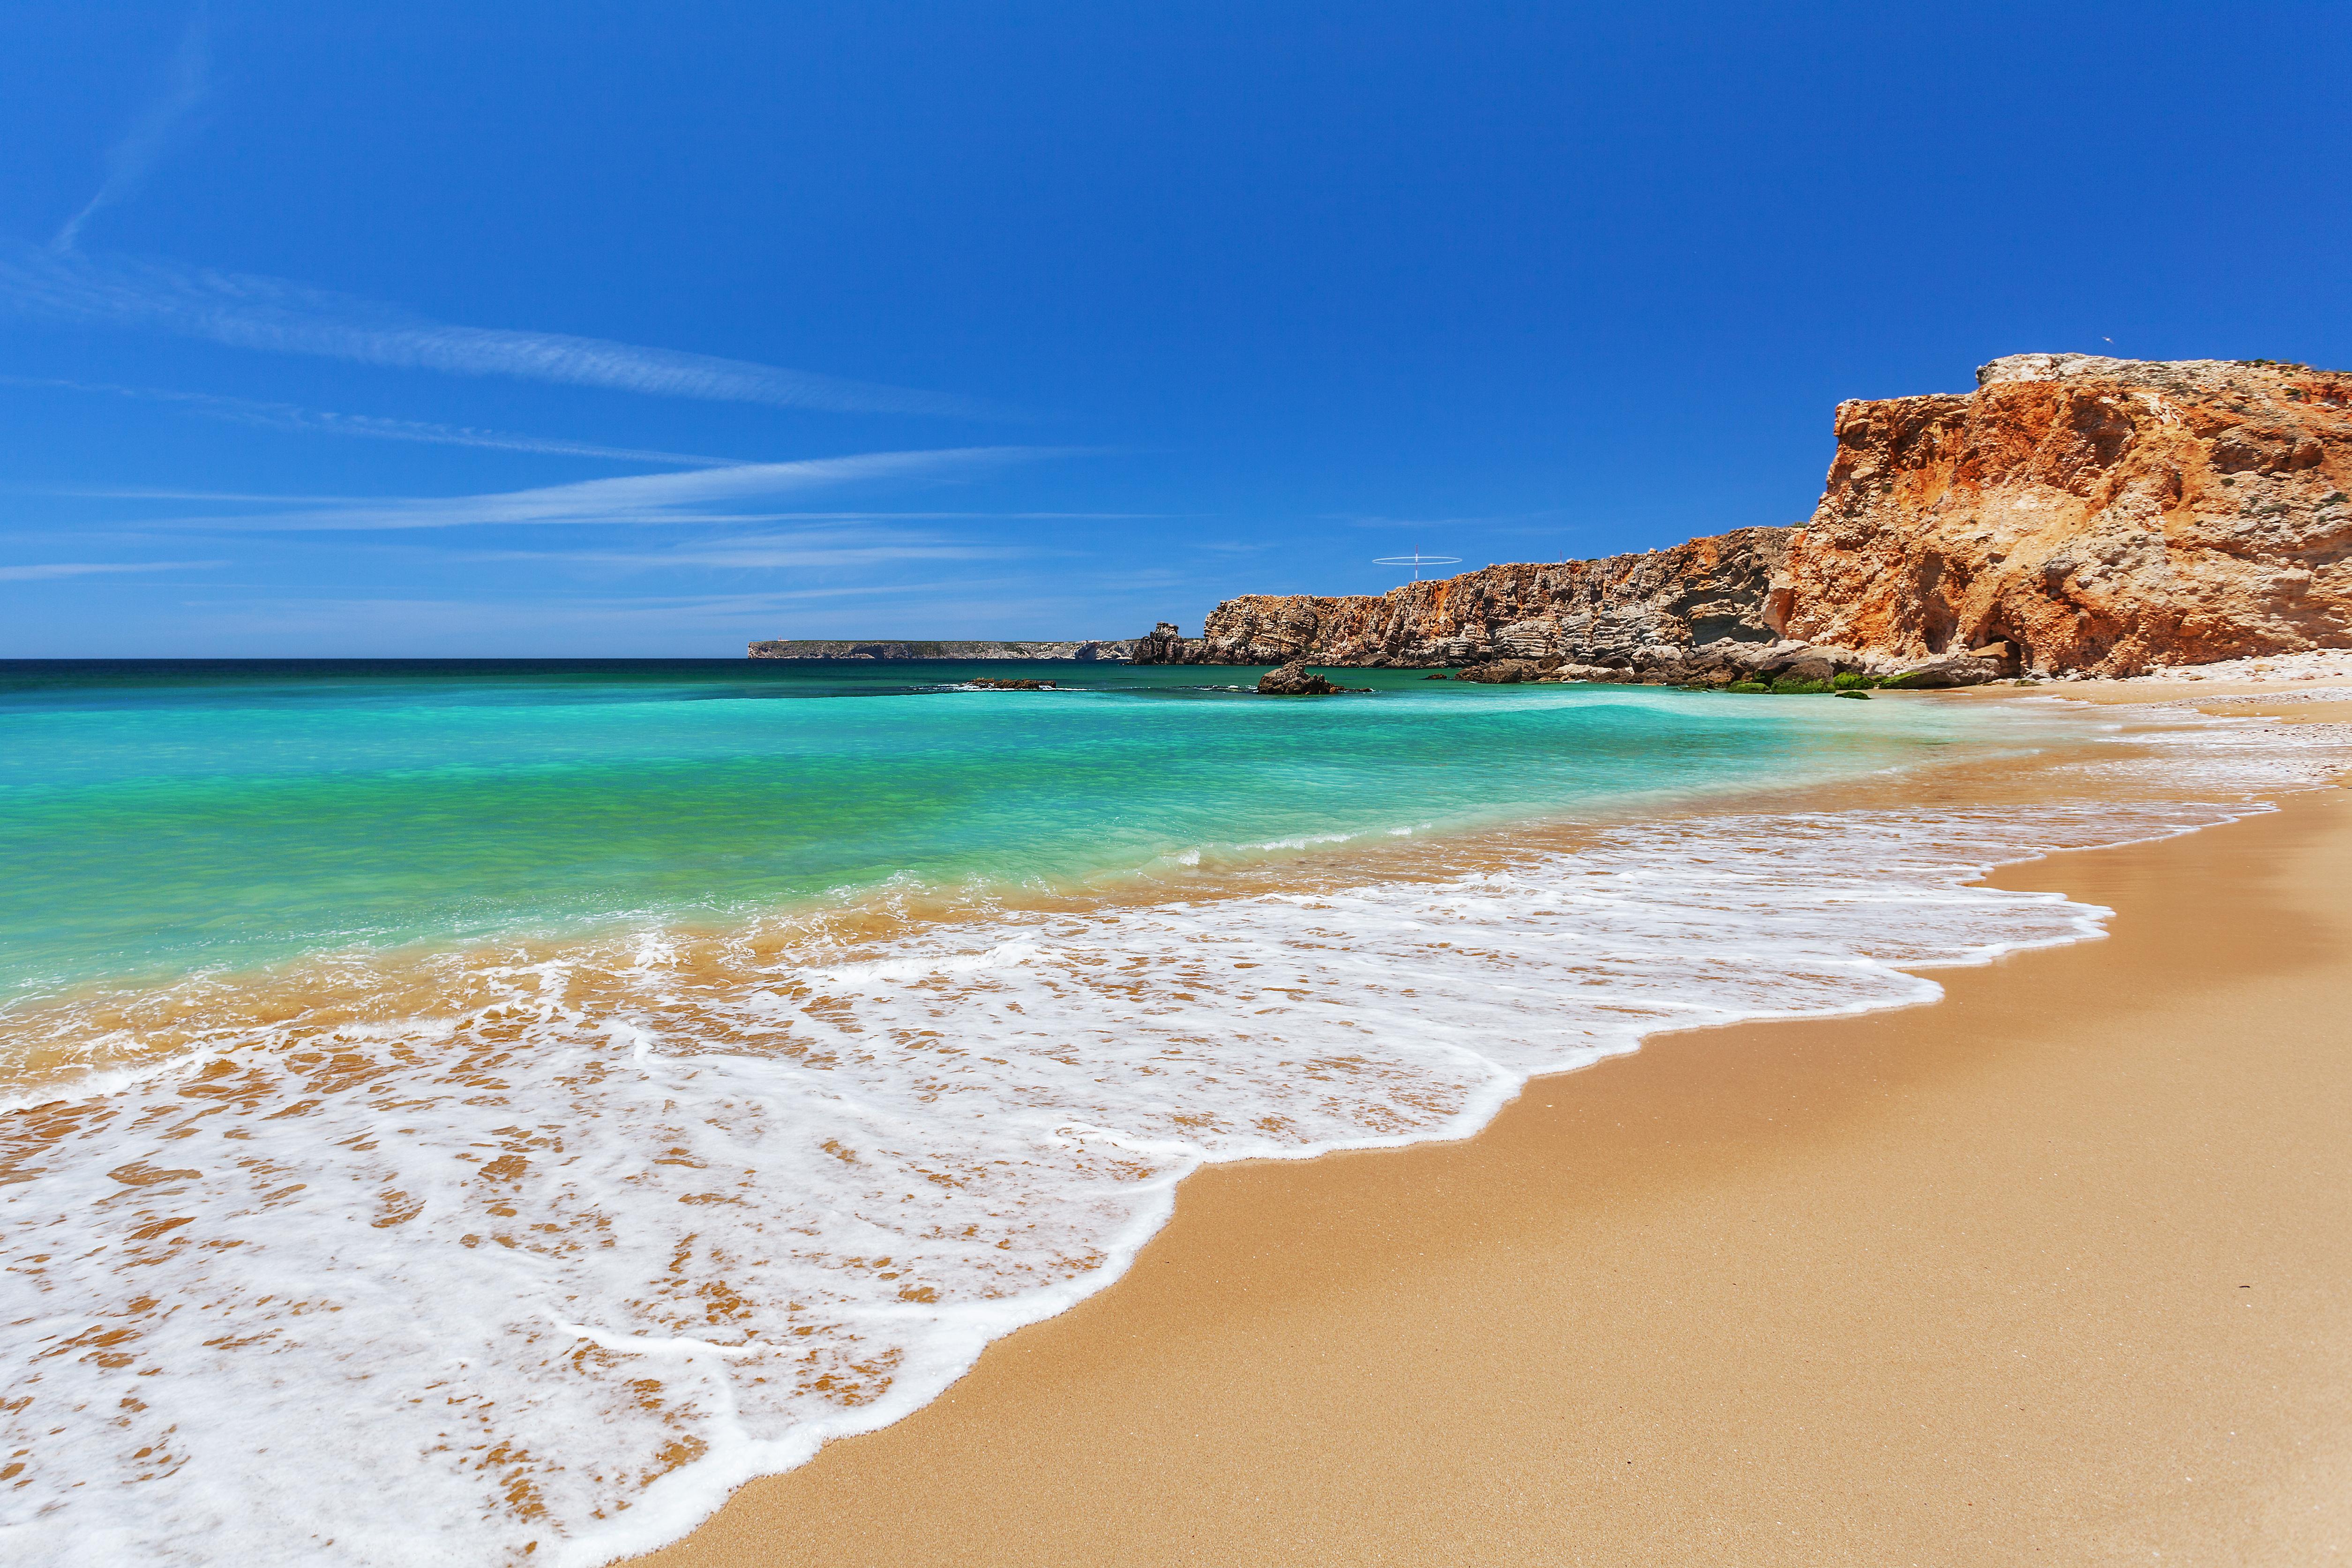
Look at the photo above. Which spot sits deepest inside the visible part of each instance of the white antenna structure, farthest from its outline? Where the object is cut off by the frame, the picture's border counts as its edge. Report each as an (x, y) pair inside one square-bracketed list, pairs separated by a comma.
[(1417, 561)]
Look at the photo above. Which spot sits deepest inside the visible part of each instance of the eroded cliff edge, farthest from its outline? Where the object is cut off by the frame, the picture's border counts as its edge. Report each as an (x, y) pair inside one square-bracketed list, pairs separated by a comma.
[(2083, 514)]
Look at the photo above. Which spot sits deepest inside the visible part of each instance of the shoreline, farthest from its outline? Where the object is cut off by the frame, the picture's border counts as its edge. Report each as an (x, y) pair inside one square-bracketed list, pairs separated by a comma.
[(1399, 1334), (100, 1032), (1415, 1005)]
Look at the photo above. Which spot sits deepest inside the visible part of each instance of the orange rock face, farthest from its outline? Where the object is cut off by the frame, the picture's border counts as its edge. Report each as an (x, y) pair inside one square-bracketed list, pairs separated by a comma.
[(2095, 514)]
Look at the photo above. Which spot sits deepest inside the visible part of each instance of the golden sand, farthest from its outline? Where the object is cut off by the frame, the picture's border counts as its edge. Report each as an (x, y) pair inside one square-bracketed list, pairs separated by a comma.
[(2057, 1270)]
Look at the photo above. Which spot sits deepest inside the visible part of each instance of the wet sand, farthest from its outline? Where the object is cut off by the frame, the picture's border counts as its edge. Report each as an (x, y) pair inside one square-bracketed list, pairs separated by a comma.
[(2059, 1269)]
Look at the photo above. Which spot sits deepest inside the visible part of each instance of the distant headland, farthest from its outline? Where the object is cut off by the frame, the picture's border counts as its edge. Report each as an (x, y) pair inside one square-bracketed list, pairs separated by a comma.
[(1086, 650)]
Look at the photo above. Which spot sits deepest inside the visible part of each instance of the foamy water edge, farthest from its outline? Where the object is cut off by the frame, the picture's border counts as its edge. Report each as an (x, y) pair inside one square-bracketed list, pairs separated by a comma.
[(591, 1265)]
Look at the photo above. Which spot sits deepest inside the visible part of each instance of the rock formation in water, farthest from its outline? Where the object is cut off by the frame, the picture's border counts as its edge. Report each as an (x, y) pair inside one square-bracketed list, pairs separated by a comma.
[(1292, 680), (2072, 514), (1164, 646), (1509, 671)]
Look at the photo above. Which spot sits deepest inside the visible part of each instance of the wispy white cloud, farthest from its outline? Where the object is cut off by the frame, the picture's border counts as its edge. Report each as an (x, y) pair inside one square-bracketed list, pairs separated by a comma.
[(314, 625), (398, 624), (799, 549), (636, 499), (44, 571), (313, 421), (1497, 522), (128, 161), (250, 311), (164, 492), (969, 517)]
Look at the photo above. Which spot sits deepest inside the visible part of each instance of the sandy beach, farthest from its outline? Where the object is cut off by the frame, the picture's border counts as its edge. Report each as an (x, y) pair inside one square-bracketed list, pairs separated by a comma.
[(2057, 1269)]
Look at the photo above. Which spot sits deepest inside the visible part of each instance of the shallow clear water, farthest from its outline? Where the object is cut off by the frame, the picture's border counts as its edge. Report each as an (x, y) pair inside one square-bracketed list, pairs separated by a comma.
[(158, 818), (480, 1114)]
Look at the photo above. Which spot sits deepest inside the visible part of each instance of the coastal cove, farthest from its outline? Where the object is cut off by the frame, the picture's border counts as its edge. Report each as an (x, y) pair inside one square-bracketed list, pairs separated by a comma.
[(657, 1203), (1286, 787)]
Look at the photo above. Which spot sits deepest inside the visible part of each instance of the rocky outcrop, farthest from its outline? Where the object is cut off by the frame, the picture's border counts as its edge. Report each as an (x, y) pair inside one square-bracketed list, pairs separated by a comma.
[(1088, 651), (1592, 611), (1293, 679), (2073, 515), (2091, 514), (1164, 646)]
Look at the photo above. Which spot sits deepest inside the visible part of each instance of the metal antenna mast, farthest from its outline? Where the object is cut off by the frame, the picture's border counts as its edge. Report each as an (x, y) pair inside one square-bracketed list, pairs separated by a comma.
[(1417, 561)]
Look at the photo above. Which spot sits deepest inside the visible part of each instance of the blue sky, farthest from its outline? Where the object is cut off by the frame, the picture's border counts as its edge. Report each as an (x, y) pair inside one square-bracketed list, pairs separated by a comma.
[(646, 330)]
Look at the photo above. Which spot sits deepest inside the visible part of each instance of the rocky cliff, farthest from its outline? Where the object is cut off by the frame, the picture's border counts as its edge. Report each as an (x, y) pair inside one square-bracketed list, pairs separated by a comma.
[(1581, 611), (2077, 514), (2094, 514)]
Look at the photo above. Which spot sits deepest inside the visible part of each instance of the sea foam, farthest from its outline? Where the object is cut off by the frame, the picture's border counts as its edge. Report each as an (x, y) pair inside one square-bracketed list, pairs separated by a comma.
[(511, 1253)]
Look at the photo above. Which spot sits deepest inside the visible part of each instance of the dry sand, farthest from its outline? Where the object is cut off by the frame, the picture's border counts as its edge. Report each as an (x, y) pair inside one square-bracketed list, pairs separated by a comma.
[(2057, 1270)]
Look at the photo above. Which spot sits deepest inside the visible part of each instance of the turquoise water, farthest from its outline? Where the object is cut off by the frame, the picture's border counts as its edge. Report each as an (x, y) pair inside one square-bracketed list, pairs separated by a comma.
[(158, 818)]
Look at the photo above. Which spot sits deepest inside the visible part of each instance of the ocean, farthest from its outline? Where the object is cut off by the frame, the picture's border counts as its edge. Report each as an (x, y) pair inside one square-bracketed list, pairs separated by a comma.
[(462, 1112)]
